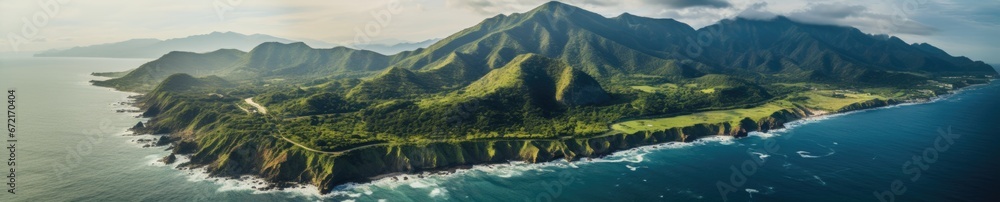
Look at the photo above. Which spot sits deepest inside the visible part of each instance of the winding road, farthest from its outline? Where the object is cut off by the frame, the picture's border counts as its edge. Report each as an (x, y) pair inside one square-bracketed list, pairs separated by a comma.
[(263, 110), (260, 109)]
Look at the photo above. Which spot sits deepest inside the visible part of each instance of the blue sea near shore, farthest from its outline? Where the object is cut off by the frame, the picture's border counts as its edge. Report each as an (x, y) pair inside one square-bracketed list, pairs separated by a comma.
[(71, 148)]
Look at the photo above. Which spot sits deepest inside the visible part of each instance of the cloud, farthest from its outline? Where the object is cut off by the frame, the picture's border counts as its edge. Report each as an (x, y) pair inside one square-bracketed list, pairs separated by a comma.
[(862, 17), (690, 3), (493, 7), (827, 13), (757, 11), (914, 28)]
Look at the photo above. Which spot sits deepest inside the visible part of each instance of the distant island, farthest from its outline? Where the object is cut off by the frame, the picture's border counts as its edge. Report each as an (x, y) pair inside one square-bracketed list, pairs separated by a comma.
[(556, 82), (154, 48)]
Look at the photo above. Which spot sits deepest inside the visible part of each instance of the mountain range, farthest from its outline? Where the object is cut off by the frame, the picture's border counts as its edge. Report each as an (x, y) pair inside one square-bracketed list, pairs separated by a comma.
[(604, 48), (389, 49)]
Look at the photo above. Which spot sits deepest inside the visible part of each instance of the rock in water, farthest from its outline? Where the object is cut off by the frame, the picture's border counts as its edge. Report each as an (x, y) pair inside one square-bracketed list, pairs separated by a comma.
[(170, 159), (138, 126)]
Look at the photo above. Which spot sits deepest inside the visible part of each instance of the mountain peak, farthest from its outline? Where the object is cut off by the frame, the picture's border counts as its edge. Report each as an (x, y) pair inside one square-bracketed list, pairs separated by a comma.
[(627, 15), (556, 7), (273, 45), (930, 48), (775, 19), (552, 6), (547, 80), (782, 18)]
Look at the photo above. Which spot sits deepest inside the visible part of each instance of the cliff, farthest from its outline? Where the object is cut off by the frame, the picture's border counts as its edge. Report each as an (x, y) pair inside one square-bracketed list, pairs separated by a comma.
[(278, 161), (868, 105), (229, 143)]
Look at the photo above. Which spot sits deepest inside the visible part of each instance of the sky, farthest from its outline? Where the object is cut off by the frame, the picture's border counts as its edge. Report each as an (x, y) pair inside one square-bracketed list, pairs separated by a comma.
[(961, 27)]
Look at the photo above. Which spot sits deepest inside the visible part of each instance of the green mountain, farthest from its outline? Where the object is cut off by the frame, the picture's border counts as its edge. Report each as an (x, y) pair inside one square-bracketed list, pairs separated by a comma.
[(546, 81), (781, 45), (298, 60), (389, 49), (450, 73), (393, 82), (588, 41), (152, 48), (184, 82), (266, 61), (152, 73)]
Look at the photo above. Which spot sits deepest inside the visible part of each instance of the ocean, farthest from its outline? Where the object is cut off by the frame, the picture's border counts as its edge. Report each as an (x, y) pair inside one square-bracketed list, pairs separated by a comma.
[(72, 146)]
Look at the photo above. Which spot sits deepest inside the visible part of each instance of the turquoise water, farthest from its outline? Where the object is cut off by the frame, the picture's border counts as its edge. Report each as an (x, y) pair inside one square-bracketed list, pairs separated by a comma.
[(71, 147)]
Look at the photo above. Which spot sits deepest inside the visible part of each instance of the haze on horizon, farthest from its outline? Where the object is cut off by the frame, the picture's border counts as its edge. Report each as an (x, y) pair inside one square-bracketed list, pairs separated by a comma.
[(961, 27)]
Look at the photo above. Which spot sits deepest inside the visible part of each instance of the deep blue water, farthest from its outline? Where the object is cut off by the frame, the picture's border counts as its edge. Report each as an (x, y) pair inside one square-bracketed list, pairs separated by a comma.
[(73, 149)]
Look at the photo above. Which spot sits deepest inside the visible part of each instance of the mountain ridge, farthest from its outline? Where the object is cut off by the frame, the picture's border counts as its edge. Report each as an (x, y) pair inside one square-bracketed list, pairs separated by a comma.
[(623, 46)]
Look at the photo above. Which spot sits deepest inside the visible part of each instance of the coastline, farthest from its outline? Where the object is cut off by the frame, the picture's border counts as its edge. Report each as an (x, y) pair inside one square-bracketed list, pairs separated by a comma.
[(271, 184)]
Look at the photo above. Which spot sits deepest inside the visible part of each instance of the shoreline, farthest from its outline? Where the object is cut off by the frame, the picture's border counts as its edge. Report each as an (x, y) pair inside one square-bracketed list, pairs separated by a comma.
[(270, 186)]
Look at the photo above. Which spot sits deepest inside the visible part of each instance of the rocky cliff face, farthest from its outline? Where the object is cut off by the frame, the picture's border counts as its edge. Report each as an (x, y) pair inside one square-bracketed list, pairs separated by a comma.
[(279, 161), (225, 152), (868, 105)]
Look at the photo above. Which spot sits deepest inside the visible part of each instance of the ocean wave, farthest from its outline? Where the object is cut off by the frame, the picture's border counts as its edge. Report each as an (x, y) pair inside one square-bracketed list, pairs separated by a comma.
[(429, 181), (244, 183), (805, 154), (637, 155), (751, 192), (438, 192), (433, 183), (762, 156), (819, 179)]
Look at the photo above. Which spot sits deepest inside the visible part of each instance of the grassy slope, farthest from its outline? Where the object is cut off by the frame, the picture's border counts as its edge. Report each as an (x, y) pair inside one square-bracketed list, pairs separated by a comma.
[(147, 76), (817, 100)]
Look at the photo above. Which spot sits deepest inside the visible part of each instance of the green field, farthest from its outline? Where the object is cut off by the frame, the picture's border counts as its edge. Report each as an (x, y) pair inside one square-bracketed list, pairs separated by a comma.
[(648, 89), (818, 100), (658, 88), (721, 116), (823, 99)]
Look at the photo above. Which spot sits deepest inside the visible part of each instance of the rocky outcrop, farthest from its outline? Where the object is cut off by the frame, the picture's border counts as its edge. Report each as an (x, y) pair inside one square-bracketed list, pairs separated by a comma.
[(868, 105), (169, 159), (138, 126)]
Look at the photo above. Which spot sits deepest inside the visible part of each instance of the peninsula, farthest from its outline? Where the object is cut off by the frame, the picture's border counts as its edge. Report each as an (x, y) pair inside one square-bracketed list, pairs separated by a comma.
[(555, 82)]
